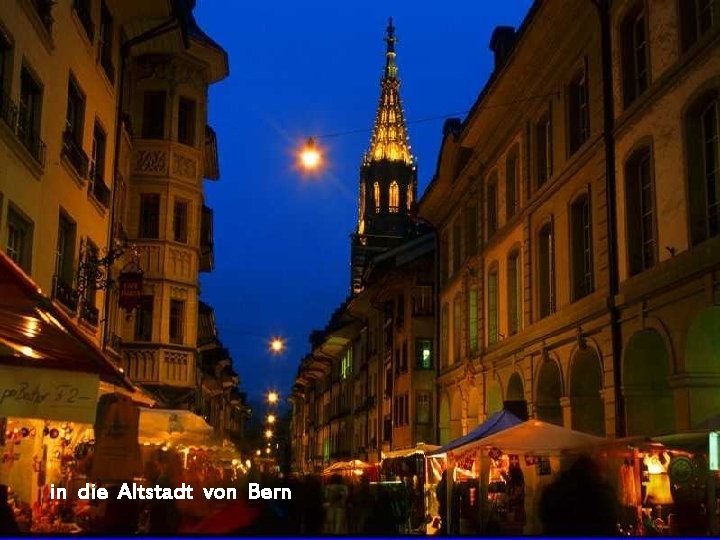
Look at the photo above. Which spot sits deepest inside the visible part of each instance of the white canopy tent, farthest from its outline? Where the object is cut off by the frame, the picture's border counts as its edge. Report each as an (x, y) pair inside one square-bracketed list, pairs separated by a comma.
[(174, 427)]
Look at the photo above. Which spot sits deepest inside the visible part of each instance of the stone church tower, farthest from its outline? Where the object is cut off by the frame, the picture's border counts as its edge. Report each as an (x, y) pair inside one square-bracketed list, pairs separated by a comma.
[(388, 176)]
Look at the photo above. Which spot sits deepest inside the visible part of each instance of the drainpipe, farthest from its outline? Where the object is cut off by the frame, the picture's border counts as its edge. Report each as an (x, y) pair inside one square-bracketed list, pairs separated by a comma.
[(163, 28), (603, 7)]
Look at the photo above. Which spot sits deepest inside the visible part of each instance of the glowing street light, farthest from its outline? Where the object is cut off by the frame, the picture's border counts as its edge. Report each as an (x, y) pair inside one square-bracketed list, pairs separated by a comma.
[(268, 433), (277, 345), (273, 397), (258, 452), (271, 419), (267, 450), (310, 156)]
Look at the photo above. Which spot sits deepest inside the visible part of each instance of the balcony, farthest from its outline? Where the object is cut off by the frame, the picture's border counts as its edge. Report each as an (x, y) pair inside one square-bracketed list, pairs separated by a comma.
[(74, 153), (20, 125), (159, 364), (44, 11), (98, 188), (207, 252), (211, 168), (65, 294), (90, 314)]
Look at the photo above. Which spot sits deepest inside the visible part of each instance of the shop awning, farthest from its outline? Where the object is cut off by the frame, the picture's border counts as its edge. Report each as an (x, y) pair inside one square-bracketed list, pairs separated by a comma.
[(536, 437), (421, 448), (36, 333), (174, 427), (497, 422)]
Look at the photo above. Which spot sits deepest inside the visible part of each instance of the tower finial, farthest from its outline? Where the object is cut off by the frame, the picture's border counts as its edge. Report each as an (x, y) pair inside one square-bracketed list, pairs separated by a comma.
[(390, 39)]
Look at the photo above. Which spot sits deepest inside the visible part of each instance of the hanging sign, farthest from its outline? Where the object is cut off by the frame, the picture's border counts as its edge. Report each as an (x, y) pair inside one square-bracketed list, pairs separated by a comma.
[(130, 285), (49, 394)]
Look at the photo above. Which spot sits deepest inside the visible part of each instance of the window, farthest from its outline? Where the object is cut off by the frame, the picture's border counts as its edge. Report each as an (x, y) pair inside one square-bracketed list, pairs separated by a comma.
[(149, 216), (424, 353), (578, 112), (153, 115), (422, 296), (361, 208), (444, 258), (186, 121), (697, 17), (180, 222), (91, 257), (5, 69), (65, 249), (471, 231), (105, 47), (143, 319), (581, 256), (346, 365), (511, 184), (444, 336), (493, 305), (703, 151), (75, 113), (492, 206), (97, 167), (457, 329), (546, 271), (457, 245), (30, 112), (177, 321), (634, 51), (394, 205), (376, 196), (19, 239), (472, 320), (83, 10), (640, 211), (410, 196), (422, 408), (543, 135), (514, 292)]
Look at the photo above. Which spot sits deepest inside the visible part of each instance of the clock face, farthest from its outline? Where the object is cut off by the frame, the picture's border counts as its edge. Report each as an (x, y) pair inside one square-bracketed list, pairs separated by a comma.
[(681, 470)]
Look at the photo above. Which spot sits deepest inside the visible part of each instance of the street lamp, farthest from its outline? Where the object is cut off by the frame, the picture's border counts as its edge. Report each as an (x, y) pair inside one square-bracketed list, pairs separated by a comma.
[(277, 345), (310, 156), (271, 419), (273, 397), (258, 452), (268, 433)]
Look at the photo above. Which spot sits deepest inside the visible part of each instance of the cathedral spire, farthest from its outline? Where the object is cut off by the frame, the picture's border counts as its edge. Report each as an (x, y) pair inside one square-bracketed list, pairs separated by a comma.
[(390, 138)]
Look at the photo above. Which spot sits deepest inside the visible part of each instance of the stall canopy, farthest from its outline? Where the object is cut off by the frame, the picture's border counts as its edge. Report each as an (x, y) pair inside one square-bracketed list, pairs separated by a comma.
[(421, 448), (174, 427), (36, 333), (497, 422), (537, 437)]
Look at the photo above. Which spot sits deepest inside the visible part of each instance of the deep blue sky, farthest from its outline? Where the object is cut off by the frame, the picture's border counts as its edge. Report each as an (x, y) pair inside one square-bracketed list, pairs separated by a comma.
[(313, 68)]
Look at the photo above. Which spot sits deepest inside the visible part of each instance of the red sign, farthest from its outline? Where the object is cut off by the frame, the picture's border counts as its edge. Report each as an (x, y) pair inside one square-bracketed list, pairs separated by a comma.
[(131, 289)]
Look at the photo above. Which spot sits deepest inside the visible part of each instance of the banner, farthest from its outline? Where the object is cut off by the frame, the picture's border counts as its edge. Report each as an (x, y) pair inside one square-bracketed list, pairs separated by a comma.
[(49, 394)]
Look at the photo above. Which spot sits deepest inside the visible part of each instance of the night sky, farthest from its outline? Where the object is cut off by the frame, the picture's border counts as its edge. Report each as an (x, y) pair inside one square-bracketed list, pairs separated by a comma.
[(299, 69)]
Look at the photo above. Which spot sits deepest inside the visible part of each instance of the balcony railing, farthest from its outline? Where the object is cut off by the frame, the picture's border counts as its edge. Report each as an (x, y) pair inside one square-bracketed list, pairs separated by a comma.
[(65, 294), (75, 154), (98, 188), (89, 313), (81, 9), (20, 124)]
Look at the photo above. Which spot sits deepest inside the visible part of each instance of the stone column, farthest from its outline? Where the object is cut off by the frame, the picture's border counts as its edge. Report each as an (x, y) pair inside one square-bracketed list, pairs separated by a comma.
[(566, 411)]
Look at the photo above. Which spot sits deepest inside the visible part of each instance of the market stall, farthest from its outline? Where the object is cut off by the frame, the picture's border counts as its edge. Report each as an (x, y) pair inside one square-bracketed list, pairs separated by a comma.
[(420, 469)]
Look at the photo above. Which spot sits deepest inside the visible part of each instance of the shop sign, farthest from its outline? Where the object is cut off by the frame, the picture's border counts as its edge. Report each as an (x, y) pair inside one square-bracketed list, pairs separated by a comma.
[(714, 450), (130, 285), (49, 394)]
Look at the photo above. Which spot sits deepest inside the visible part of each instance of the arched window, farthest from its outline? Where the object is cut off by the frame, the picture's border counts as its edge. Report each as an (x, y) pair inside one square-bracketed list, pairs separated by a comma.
[(511, 184), (493, 307), (697, 18), (409, 197), (457, 328), (640, 211), (394, 204), (444, 336), (578, 111), (581, 263), (635, 53), (472, 319), (703, 151), (546, 271), (514, 292), (376, 196), (544, 149), (492, 205)]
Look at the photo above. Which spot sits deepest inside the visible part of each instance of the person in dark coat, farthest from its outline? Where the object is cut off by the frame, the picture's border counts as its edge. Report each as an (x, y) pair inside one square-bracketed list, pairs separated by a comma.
[(579, 503), (8, 524), (441, 494)]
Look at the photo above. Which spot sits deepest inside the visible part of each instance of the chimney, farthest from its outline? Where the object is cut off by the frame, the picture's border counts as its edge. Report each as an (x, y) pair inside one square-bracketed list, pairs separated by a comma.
[(501, 43)]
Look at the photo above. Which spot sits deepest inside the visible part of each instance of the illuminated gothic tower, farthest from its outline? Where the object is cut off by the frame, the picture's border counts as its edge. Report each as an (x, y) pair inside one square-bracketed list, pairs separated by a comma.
[(388, 176)]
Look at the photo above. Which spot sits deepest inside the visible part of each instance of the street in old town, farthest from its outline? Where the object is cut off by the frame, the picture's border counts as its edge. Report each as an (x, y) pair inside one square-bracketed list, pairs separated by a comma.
[(377, 268)]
